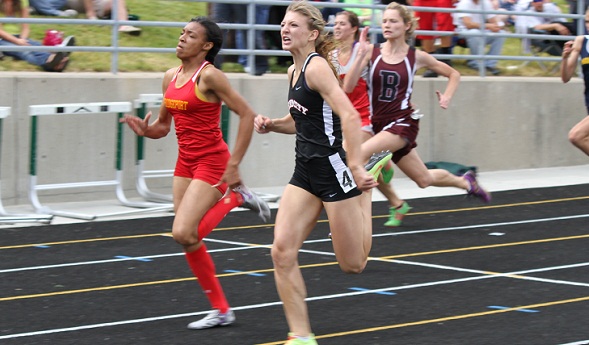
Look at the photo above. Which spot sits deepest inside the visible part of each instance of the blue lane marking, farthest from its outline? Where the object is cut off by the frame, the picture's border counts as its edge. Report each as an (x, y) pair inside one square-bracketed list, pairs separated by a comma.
[(42, 246), (379, 292), (521, 310), (249, 274), (130, 257)]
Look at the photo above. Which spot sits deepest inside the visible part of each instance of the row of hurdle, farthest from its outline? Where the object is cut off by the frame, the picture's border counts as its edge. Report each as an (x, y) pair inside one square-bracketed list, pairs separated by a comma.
[(151, 201)]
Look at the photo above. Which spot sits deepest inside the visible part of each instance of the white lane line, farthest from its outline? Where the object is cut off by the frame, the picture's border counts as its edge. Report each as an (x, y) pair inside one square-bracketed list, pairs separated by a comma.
[(156, 256), (490, 225), (256, 306), (513, 275), (254, 246)]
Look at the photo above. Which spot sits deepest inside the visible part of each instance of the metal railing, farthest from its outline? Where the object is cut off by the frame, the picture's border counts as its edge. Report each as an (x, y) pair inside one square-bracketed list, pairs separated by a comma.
[(251, 28)]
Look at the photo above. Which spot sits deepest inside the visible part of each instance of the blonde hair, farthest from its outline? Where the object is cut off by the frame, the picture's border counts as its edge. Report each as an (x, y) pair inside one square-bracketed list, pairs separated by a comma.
[(407, 16), (324, 43)]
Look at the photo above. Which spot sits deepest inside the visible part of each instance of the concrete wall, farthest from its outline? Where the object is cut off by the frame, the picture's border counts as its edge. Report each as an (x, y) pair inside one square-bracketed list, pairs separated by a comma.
[(494, 123)]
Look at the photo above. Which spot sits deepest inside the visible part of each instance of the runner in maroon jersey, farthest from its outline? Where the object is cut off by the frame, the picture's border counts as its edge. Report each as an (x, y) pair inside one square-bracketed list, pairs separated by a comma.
[(392, 67)]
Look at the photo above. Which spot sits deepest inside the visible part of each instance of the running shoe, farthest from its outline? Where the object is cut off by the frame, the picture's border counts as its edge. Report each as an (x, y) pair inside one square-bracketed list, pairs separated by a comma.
[(293, 340), (131, 30), (387, 172), (253, 202), (397, 214), (475, 189), (69, 41), (214, 319), (377, 161)]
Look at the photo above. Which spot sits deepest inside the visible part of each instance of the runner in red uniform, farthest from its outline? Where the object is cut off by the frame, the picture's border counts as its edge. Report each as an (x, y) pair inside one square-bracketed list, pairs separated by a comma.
[(207, 183)]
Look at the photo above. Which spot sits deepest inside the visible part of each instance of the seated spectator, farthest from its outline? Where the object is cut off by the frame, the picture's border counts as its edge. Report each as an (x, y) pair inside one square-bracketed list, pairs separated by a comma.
[(553, 25), (508, 6), (18, 35), (95, 9), (476, 23), (56, 8), (543, 25)]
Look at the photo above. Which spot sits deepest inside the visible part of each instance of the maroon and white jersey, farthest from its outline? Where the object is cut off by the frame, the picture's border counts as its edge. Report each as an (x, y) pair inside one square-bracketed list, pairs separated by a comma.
[(391, 86)]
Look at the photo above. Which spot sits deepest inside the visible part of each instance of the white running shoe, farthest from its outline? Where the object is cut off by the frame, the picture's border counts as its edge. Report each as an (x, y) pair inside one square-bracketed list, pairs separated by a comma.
[(253, 202), (214, 319), (68, 13)]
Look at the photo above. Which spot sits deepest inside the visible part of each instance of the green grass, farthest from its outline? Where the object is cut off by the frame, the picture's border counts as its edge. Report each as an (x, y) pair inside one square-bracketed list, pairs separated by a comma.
[(166, 37), (100, 36)]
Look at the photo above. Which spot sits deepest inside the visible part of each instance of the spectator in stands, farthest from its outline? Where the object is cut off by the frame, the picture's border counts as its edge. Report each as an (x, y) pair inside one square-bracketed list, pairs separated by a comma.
[(261, 61), (56, 8), (438, 21), (18, 35), (237, 13), (551, 25), (224, 13), (508, 6), (475, 23), (95, 9)]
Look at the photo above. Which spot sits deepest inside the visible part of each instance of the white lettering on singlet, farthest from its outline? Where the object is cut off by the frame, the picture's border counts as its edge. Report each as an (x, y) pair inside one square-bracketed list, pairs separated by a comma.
[(294, 104)]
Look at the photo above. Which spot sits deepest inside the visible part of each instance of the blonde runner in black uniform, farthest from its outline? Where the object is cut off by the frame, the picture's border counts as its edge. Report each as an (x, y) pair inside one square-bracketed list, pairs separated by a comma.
[(321, 179)]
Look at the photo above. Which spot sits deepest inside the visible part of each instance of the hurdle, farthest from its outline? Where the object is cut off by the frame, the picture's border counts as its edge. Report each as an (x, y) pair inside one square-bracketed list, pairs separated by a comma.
[(5, 216), (84, 109), (142, 104)]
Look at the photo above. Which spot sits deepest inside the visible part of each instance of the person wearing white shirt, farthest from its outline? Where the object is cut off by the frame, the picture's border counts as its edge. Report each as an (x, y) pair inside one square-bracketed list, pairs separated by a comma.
[(467, 21), (554, 25), (543, 25)]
